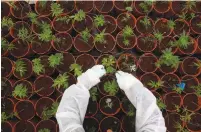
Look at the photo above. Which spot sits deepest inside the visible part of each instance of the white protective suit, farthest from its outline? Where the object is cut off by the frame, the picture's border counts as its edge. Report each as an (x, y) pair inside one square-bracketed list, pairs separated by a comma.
[(71, 112)]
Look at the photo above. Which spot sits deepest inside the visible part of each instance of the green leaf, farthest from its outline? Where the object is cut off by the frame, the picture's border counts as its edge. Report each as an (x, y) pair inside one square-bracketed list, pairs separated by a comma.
[(99, 21), (7, 22), (76, 68), (197, 89), (20, 67), (161, 104), (171, 24), (111, 87), (24, 34), (20, 91), (65, 19), (46, 34), (55, 60), (50, 112), (100, 38), (145, 6), (44, 130), (38, 67), (61, 81), (33, 17), (155, 85), (126, 33), (85, 35), (109, 64), (146, 22), (56, 9), (183, 42), (159, 36), (79, 16)]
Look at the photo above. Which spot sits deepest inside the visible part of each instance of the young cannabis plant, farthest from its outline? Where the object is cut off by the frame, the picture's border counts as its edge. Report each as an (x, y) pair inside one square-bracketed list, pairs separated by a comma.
[(171, 24), (109, 63), (20, 91), (38, 67), (56, 9), (178, 110), (5, 117), (186, 115), (156, 85), (197, 89), (6, 46), (33, 17), (85, 34), (161, 104), (46, 34), (76, 68), (131, 110), (20, 67), (189, 5), (44, 130), (159, 36), (79, 16), (197, 64), (94, 93), (99, 21), (180, 128), (100, 38), (111, 87), (145, 6), (146, 22), (177, 89), (126, 33), (61, 81), (7, 22), (168, 59), (24, 34), (50, 112), (55, 60), (65, 19)]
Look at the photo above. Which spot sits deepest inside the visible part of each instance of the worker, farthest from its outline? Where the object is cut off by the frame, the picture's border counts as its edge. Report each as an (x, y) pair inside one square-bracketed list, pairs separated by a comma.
[(72, 108)]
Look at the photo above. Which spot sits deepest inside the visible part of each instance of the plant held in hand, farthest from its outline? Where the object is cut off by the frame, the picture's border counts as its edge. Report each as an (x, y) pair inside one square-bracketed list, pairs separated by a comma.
[(61, 81), (111, 87), (20, 91), (109, 63)]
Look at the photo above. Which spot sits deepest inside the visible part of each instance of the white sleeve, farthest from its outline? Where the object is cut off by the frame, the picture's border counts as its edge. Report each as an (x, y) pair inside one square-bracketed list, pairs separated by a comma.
[(149, 118)]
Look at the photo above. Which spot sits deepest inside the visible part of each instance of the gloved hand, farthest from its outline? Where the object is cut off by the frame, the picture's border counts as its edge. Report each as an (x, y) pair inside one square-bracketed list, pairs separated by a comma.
[(126, 80), (91, 77)]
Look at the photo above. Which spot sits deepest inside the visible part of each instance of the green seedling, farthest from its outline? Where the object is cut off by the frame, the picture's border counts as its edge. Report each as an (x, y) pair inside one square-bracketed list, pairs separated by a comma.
[(42, 3), (186, 115), (171, 24), (177, 89), (5, 117), (156, 85), (159, 36), (111, 87), (33, 17), (100, 37), (20, 91), (126, 33), (85, 34), (197, 89), (56, 9), (145, 6), (20, 67), (197, 64), (61, 81), (79, 16), (6, 46), (7, 22), (189, 5), (127, 17), (180, 128), (178, 110), (109, 63), (65, 19), (46, 35), (24, 34), (94, 93), (50, 112), (99, 21), (55, 60), (145, 22), (44, 130), (38, 67), (76, 68), (161, 104)]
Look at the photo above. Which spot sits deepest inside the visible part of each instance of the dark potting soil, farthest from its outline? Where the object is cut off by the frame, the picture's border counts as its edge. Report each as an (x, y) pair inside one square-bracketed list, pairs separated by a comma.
[(147, 78), (61, 26), (21, 48), (110, 24), (128, 124), (104, 6), (125, 61), (82, 25), (5, 9), (194, 22), (40, 47), (195, 122), (83, 46), (125, 104), (180, 27), (6, 127), (86, 6), (146, 44), (25, 110), (107, 110), (6, 88), (137, 6), (6, 66), (189, 67), (68, 59), (43, 103), (64, 42), (178, 6), (67, 6), (7, 105), (90, 125), (45, 62), (190, 102), (23, 126), (4, 31), (43, 10), (48, 124), (162, 27), (71, 80), (171, 120), (171, 100), (167, 69), (170, 80), (28, 67), (162, 6), (132, 41), (92, 108), (23, 8), (19, 25), (130, 22), (40, 20), (86, 61), (102, 82), (147, 63), (142, 29), (110, 123), (108, 46), (43, 85), (122, 5), (165, 43), (189, 81)]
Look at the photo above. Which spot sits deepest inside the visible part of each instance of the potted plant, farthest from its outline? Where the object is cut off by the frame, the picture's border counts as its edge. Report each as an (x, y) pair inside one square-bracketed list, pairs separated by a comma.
[(43, 85), (181, 25), (110, 124), (146, 43), (67, 6), (23, 90), (84, 41), (22, 68), (144, 25), (178, 7), (38, 67), (6, 67), (5, 9), (104, 42), (62, 23), (109, 62), (194, 120), (6, 47), (25, 110), (55, 59), (43, 8), (6, 87), (197, 89), (190, 82), (24, 125), (191, 66), (91, 124), (174, 123), (63, 81), (143, 7), (6, 24), (192, 102), (67, 60), (92, 108), (196, 24), (86, 6), (46, 126), (104, 7), (168, 62), (162, 6), (126, 39), (76, 68), (164, 26), (86, 61), (6, 126), (56, 9), (105, 22), (166, 43), (121, 6), (19, 9), (145, 60), (171, 99)]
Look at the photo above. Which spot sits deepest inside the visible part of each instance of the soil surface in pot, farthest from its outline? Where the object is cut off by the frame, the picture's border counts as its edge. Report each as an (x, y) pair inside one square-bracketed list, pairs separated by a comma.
[(170, 121), (43, 103), (7, 105), (90, 125), (4, 31), (92, 108), (194, 24), (167, 69), (147, 78), (6, 87), (189, 67), (61, 26), (178, 6), (180, 27), (45, 62), (122, 20), (104, 6), (14, 31), (128, 124), (37, 28), (110, 123), (162, 6), (190, 102), (125, 61), (195, 122), (147, 63), (5, 9), (170, 80), (43, 85), (162, 27), (25, 110), (120, 39), (82, 25), (68, 6), (82, 45), (6, 127), (21, 48), (71, 81), (40, 47), (86, 61), (171, 100), (146, 43), (140, 9), (142, 29), (43, 10), (122, 5), (165, 43), (28, 67), (190, 81), (6, 66), (86, 6), (48, 124), (110, 24), (68, 59), (64, 42), (23, 126), (22, 9)]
